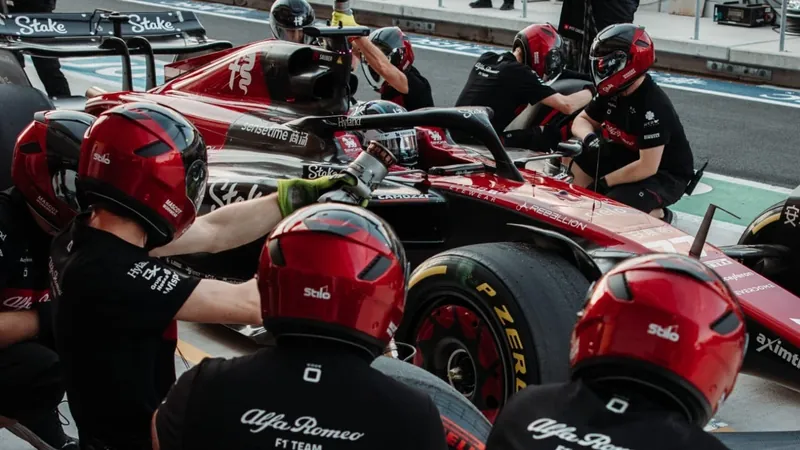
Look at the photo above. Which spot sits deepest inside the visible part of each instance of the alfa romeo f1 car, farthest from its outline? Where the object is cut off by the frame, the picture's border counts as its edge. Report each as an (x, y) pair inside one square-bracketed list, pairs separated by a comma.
[(503, 252)]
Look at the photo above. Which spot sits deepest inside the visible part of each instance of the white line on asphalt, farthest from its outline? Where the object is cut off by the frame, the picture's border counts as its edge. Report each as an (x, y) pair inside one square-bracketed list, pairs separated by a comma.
[(753, 184)]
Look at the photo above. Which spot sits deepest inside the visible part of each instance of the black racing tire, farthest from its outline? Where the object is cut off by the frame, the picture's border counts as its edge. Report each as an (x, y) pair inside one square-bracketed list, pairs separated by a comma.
[(465, 426), (767, 228), (527, 300), (11, 72), (20, 103)]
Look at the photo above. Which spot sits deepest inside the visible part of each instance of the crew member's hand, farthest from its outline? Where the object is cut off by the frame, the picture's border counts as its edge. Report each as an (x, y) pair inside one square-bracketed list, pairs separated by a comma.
[(591, 142), (602, 186), (296, 193), (347, 20)]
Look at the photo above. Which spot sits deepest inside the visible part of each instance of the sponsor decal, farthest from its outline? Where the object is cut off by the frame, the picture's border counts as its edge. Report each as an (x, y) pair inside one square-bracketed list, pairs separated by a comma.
[(19, 299), (652, 136), (775, 347), (670, 333), (163, 279), (46, 205), (349, 142), (560, 218), (546, 428), (629, 74), (391, 329), (648, 232), (259, 420), (469, 112), (738, 276), (402, 196), (485, 71), (28, 26), (54, 276), (140, 25), (649, 115), (607, 209), (224, 192), (101, 158), (791, 213), (717, 263), (435, 136), (512, 334), (481, 193), (325, 57), (754, 289), (347, 122), (242, 66), (172, 208), (321, 293), (669, 245), (456, 437), (313, 373), (650, 118), (275, 132), (614, 133), (314, 171)]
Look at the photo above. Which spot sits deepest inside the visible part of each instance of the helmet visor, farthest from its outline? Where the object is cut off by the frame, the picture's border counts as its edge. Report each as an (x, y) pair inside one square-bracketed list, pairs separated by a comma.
[(196, 182), (402, 144), (603, 67)]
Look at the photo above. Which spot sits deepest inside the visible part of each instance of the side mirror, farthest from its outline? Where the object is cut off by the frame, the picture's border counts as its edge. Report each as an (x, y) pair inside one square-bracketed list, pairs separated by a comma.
[(571, 148)]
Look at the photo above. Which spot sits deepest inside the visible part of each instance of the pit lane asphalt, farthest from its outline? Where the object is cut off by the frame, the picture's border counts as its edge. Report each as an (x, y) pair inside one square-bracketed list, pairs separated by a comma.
[(744, 139)]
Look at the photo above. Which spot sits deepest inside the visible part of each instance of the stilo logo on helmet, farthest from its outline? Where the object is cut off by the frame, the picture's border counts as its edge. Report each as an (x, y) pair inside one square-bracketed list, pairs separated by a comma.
[(363, 274), (159, 174), (656, 290)]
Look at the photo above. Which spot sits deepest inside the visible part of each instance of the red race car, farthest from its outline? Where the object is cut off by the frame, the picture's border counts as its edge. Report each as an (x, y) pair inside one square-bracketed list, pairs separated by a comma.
[(504, 250)]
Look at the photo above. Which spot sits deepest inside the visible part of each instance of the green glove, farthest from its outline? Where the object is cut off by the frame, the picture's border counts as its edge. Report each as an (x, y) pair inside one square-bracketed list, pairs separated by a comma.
[(296, 193), (345, 19)]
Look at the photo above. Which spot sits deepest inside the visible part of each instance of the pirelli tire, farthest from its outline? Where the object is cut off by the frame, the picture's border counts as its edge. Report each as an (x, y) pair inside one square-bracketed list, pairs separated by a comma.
[(490, 319), (465, 427)]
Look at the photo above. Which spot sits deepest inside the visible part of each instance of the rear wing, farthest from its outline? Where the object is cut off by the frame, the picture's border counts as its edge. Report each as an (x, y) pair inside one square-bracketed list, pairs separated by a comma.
[(103, 33)]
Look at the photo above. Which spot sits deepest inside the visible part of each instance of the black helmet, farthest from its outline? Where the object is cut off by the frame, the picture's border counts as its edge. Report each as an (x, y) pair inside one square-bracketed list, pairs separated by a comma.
[(401, 142), (287, 18)]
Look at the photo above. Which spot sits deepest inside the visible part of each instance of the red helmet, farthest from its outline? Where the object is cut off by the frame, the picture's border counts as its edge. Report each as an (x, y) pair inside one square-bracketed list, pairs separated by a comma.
[(334, 271), (45, 164), (542, 50), (619, 55), (395, 45), (665, 321), (147, 162)]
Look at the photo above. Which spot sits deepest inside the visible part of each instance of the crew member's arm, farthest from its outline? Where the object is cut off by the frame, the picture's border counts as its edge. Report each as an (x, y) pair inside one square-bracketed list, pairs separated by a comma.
[(240, 223), (375, 58), (588, 121), (18, 326), (654, 136), (645, 167), (568, 104), (214, 301)]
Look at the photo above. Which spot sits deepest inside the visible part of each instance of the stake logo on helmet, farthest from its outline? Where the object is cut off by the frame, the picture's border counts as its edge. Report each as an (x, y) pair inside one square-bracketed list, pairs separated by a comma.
[(401, 142), (619, 55), (334, 271), (542, 50), (393, 43), (156, 171), (45, 164), (665, 321)]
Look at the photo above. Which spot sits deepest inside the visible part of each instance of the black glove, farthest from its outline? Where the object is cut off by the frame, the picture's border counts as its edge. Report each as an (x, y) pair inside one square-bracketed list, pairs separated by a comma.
[(602, 186), (591, 142)]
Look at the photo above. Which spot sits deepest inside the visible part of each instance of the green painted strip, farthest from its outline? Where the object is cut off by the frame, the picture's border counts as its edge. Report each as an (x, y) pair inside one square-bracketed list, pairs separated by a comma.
[(744, 201)]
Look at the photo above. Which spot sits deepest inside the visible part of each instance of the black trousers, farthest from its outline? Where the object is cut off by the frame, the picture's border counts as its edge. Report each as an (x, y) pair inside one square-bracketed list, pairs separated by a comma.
[(48, 69), (31, 385)]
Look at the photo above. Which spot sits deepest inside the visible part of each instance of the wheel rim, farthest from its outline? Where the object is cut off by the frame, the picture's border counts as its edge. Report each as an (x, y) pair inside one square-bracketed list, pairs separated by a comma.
[(456, 343)]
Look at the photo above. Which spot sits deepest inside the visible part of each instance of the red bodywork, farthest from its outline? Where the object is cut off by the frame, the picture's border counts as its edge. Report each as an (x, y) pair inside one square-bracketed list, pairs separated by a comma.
[(211, 93)]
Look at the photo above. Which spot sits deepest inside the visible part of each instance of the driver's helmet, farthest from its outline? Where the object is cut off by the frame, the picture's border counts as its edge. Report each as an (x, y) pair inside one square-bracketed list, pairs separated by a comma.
[(401, 142), (542, 50), (619, 55), (287, 18), (44, 167), (353, 293), (146, 162), (667, 322), (393, 43)]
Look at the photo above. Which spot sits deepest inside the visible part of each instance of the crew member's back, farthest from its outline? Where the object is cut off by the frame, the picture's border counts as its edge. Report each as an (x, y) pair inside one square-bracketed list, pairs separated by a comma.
[(299, 396)]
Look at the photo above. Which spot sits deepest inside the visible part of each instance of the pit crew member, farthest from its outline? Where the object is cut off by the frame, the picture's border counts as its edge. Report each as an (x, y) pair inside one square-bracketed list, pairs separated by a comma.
[(141, 179), (48, 69), (327, 395), (41, 201), (655, 352), (401, 142), (287, 18), (387, 60), (649, 161), (508, 82)]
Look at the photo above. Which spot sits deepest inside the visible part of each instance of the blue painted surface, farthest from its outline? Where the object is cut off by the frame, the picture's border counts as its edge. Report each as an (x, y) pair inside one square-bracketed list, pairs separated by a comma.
[(677, 81)]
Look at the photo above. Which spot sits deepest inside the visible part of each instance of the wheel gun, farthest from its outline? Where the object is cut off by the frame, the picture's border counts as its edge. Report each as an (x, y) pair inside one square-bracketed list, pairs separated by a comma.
[(368, 169)]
